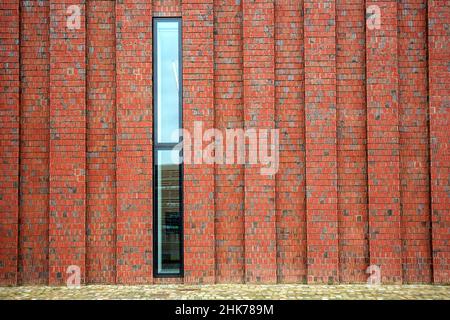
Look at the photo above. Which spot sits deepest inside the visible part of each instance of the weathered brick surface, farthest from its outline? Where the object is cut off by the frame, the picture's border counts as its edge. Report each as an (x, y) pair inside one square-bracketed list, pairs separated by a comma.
[(67, 209), (228, 106), (166, 8), (9, 140), (439, 105), (259, 111), (134, 254), (351, 140), (290, 120), (101, 143), (35, 139), (321, 153), (363, 119), (198, 105), (383, 158), (413, 126)]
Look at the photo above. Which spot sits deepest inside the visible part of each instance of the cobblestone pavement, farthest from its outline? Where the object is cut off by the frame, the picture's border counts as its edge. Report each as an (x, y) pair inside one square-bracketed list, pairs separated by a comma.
[(229, 291)]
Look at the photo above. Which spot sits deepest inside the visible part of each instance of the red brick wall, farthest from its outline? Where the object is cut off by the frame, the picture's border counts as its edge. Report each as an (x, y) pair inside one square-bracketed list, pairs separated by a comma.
[(229, 179), (414, 153), (439, 114), (134, 257), (101, 142), (320, 139), (363, 117), (290, 198), (351, 116), (198, 105), (383, 143), (67, 170), (259, 111), (35, 140), (10, 139)]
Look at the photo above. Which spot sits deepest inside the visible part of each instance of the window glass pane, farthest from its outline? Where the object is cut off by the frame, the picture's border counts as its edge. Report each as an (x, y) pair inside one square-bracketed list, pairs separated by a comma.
[(167, 111), (169, 212), (168, 79)]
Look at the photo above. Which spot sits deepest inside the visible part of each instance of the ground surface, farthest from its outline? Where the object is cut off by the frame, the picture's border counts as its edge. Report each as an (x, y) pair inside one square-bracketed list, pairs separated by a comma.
[(229, 292)]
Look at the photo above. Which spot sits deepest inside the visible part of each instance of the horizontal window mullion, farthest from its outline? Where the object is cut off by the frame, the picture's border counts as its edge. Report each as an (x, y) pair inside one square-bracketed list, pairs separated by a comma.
[(164, 146)]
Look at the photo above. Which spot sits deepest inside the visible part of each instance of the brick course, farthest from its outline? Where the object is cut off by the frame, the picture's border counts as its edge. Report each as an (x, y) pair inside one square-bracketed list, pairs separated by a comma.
[(363, 119)]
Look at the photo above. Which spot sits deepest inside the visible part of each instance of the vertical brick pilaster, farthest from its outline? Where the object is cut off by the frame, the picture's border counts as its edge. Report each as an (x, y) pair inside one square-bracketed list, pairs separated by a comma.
[(198, 105), (383, 143), (413, 109), (439, 105), (321, 161), (67, 142), (34, 150), (101, 116), (134, 142), (259, 113), (351, 140), (229, 178), (9, 140), (289, 105)]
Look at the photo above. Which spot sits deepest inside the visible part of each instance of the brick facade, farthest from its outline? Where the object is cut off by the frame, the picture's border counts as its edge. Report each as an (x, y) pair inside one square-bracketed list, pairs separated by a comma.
[(363, 115)]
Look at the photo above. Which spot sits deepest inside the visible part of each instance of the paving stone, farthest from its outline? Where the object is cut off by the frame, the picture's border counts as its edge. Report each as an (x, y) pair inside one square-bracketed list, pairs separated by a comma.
[(228, 291)]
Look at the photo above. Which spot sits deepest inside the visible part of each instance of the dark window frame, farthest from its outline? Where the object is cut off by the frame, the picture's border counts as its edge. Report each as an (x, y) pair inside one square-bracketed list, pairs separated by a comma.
[(157, 146)]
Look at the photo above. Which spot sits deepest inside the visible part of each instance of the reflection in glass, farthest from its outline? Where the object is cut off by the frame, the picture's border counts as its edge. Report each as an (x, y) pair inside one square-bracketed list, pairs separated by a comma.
[(167, 79), (169, 213), (168, 209)]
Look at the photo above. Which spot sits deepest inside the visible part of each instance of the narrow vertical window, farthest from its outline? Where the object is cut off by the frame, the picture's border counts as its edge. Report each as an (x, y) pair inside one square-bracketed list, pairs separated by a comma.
[(167, 172)]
